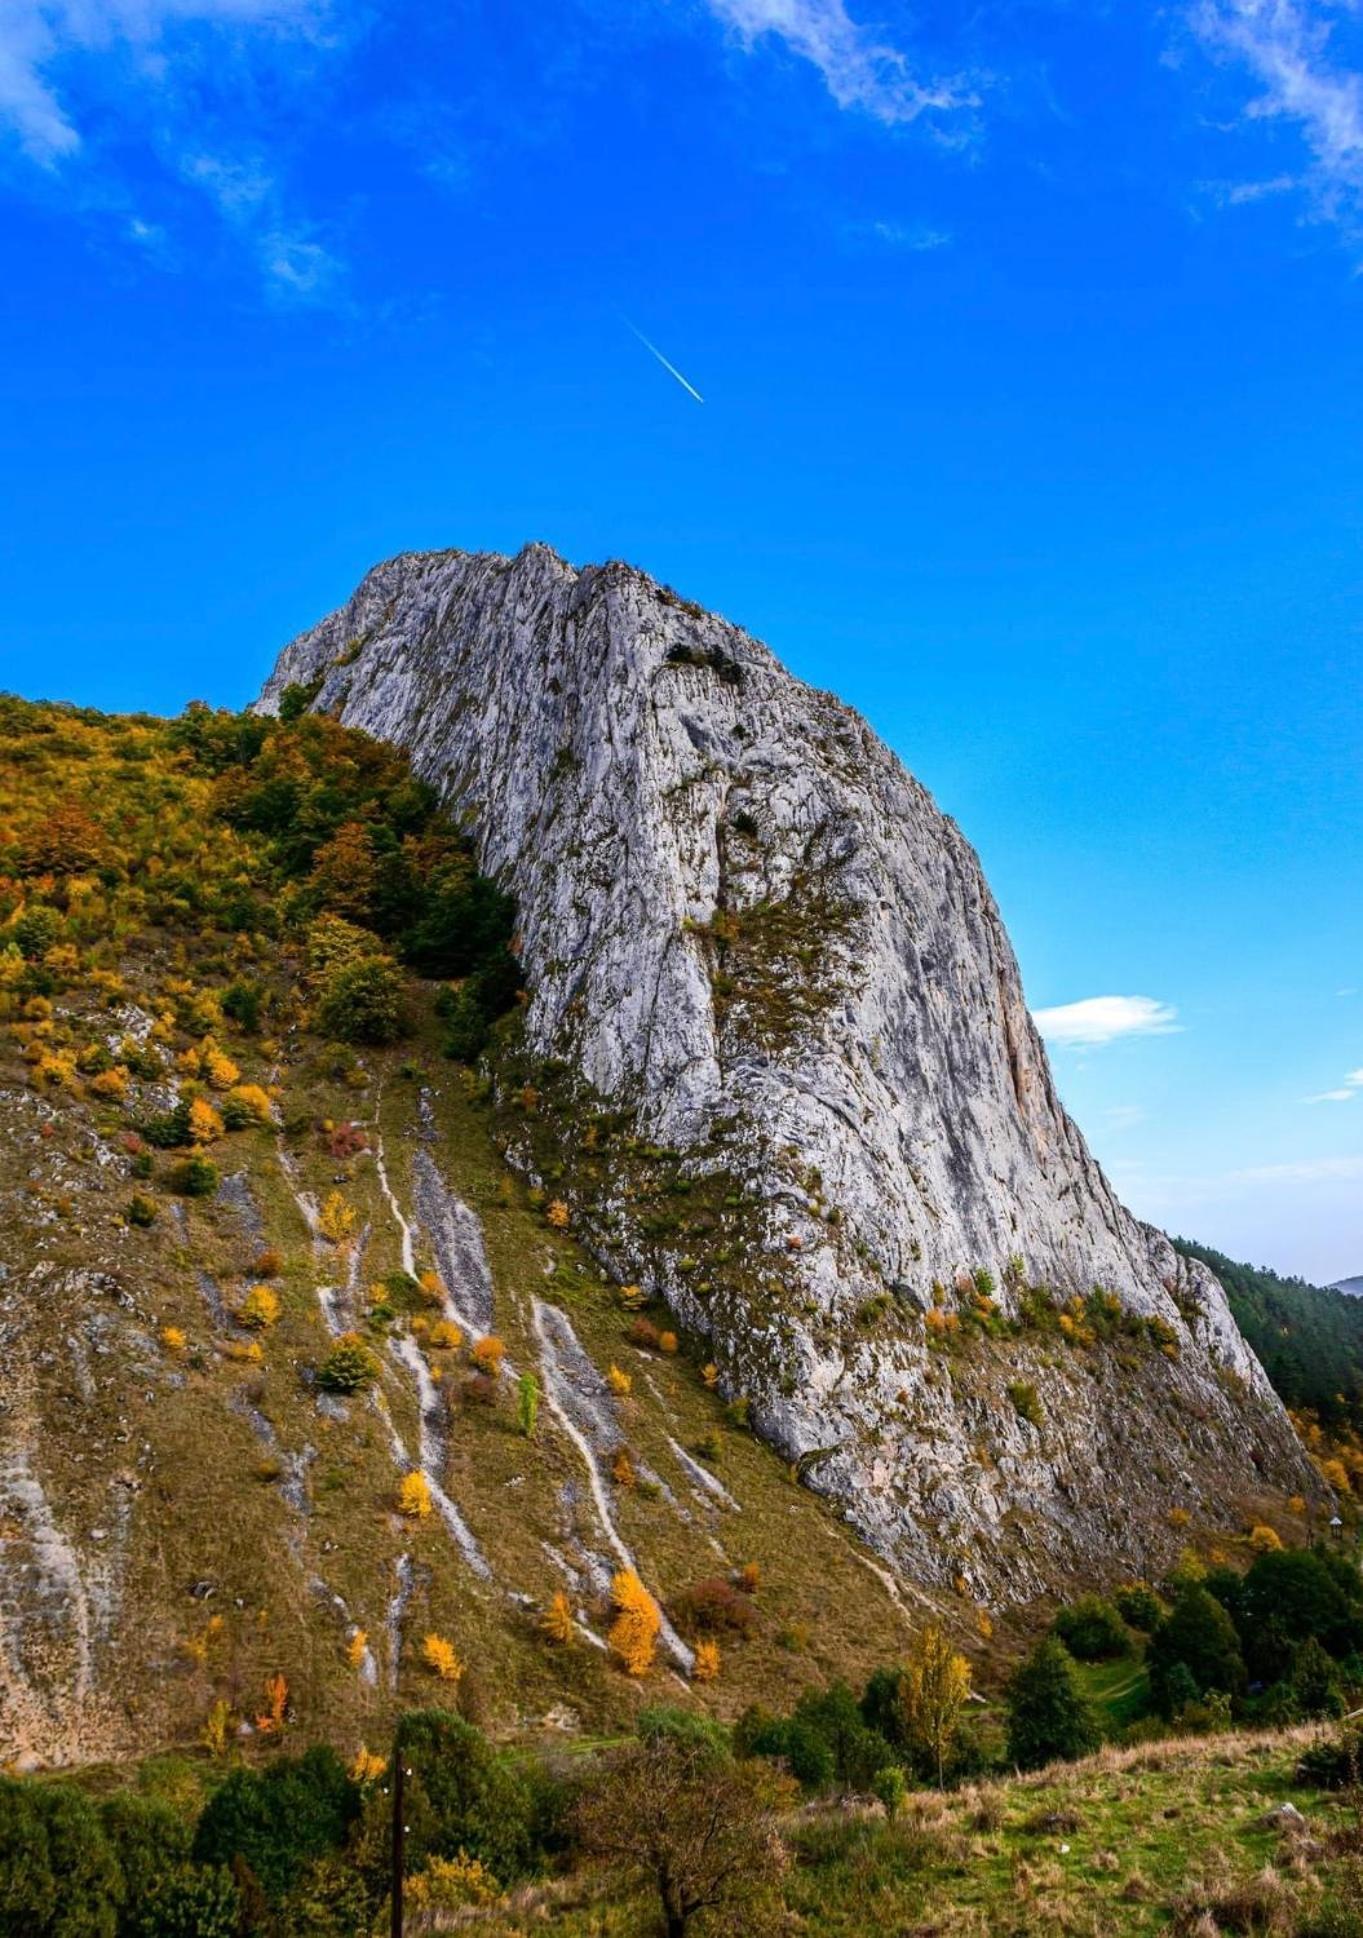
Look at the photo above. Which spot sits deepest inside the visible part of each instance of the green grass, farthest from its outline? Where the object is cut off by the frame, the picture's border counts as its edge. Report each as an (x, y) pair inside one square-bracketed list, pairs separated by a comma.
[(1107, 1848)]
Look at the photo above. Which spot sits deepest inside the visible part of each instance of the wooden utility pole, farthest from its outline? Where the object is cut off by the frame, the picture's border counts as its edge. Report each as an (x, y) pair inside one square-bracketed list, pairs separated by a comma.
[(399, 1831)]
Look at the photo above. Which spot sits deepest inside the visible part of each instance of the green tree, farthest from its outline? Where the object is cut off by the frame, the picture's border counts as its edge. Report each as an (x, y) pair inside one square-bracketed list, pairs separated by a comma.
[(361, 1002), (1200, 1636), (1049, 1718), (1092, 1630), (527, 1404), (278, 1818)]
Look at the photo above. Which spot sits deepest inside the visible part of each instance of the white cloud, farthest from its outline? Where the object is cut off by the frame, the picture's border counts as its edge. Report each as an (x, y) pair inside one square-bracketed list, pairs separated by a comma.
[(36, 35), (1102, 1019), (915, 236), (1287, 46), (859, 70), (247, 197), (1351, 1087), (1311, 1170)]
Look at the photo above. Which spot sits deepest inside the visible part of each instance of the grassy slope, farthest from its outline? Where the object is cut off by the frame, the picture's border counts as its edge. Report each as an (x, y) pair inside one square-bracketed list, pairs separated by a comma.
[(212, 1513), (1113, 1845)]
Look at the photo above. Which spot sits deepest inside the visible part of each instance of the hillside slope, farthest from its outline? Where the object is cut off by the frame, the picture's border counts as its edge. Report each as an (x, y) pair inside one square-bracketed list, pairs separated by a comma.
[(203, 1193), (785, 1075)]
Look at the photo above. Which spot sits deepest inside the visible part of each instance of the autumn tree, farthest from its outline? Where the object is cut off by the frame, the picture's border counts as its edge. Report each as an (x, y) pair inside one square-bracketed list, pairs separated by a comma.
[(681, 1817), (634, 1630), (933, 1692)]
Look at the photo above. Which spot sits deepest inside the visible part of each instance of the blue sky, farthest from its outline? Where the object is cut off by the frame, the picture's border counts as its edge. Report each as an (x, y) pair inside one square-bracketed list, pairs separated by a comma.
[(1028, 338)]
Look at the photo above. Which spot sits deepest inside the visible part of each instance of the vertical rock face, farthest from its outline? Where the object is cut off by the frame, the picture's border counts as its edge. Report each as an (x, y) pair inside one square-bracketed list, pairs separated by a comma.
[(744, 923)]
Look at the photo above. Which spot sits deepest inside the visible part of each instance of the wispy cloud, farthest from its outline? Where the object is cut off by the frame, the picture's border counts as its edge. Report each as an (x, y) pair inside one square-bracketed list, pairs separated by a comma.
[(1097, 1020), (178, 73), (1288, 47), (248, 198), (859, 70), (1344, 1093), (913, 236), (36, 36)]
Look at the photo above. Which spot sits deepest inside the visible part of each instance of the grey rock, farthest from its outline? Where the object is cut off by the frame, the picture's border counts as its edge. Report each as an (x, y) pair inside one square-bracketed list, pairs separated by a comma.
[(647, 779)]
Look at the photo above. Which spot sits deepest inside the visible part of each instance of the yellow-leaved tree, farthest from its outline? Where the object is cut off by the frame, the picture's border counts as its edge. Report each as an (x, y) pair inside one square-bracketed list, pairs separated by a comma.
[(634, 1630), (414, 1495), (933, 1691), (441, 1658)]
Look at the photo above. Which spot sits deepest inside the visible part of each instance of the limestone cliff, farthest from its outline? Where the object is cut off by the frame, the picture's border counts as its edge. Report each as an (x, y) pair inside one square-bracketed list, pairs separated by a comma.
[(745, 925)]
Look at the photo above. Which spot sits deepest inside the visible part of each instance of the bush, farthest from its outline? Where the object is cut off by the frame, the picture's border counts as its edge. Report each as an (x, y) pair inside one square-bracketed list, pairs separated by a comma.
[(1027, 1402), (37, 930), (59, 1877), (713, 1607), (479, 1801), (1049, 1718), (195, 1902), (150, 1843), (361, 1002), (278, 1818), (347, 1368), (195, 1177), (1336, 1765), (1139, 1607), (1092, 1630), (141, 1210), (1200, 1637)]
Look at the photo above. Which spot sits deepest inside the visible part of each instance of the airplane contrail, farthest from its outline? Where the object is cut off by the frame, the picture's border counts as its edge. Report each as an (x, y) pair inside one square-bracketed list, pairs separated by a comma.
[(670, 368)]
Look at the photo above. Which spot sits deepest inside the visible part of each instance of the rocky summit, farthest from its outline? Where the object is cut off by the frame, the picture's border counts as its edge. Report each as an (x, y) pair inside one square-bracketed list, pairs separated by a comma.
[(776, 1062)]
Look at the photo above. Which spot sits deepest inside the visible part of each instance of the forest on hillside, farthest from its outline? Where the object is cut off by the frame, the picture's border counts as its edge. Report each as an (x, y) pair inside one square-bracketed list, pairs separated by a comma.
[(1309, 1338)]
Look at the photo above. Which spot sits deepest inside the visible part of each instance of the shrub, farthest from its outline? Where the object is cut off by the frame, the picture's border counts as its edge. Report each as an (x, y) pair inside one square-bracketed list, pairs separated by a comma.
[(556, 1623), (347, 1368), (713, 1607), (1264, 1539), (891, 1788), (619, 1383), (1092, 1630), (195, 1177), (244, 1105), (141, 1210), (260, 1308), (37, 930), (205, 1125), (414, 1496), (278, 1817), (477, 1801), (1027, 1402), (441, 1658), (1334, 1765), (58, 1872), (1048, 1716), (1139, 1607), (242, 1002), (336, 1220), (644, 1334), (527, 1404), (488, 1355), (705, 1668)]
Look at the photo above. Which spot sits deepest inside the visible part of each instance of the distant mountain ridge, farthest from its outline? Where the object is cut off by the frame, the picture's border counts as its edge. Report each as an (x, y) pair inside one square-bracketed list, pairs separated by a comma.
[(1353, 1286)]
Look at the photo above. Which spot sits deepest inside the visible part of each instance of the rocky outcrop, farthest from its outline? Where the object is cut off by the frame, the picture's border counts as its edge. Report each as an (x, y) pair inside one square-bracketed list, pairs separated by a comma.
[(746, 925)]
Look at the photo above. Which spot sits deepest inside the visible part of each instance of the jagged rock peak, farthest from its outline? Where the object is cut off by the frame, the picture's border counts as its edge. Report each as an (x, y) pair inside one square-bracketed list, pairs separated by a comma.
[(744, 921)]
